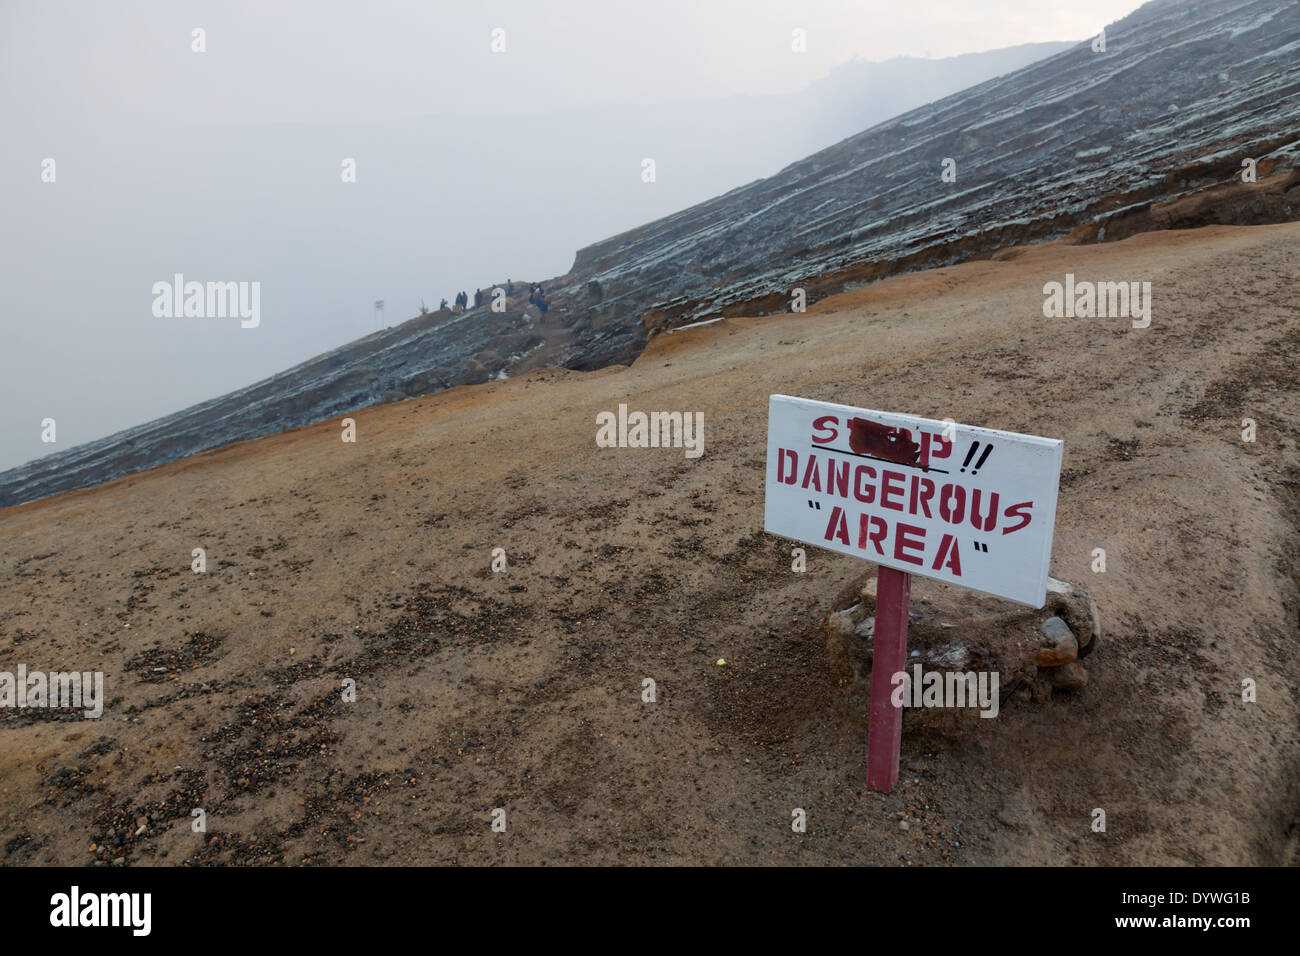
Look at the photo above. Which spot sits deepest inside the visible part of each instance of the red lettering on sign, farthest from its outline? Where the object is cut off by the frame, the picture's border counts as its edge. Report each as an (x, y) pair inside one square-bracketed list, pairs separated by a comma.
[(954, 560), (868, 494), (902, 540), (872, 528), (887, 488), (837, 479), (810, 474), (933, 446), (781, 456), (949, 512), (825, 423), (837, 527), (988, 522), (926, 487), (1018, 511)]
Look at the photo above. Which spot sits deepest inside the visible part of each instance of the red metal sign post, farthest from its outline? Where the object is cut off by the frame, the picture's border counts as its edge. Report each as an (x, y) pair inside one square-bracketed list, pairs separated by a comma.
[(889, 657)]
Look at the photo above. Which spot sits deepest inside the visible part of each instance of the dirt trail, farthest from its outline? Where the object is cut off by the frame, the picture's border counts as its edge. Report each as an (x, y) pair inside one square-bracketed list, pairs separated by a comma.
[(522, 689)]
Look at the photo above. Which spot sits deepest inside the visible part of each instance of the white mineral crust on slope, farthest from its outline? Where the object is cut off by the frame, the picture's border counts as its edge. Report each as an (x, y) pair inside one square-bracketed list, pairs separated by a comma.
[(1078, 138)]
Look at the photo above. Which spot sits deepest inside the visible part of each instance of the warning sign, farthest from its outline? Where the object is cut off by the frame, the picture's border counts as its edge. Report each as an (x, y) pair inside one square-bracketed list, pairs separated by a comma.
[(972, 506)]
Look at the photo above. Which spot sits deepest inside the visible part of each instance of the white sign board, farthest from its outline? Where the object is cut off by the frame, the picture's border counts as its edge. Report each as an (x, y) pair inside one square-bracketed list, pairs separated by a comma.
[(971, 506)]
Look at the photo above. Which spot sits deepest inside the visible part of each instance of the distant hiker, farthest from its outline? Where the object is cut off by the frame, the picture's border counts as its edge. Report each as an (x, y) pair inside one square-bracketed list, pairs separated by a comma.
[(542, 305), (510, 288), (478, 298), (443, 307)]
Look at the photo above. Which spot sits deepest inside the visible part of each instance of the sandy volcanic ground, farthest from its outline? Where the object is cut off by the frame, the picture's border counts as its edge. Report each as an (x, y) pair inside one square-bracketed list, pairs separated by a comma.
[(522, 689)]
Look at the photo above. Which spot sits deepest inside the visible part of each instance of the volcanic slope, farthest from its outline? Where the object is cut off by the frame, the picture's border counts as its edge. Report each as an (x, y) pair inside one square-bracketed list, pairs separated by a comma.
[(522, 690), (1149, 134)]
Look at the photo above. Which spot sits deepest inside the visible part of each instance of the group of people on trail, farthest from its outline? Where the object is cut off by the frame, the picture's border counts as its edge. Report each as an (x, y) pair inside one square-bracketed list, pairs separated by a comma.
[(536, 297), (462, 301)]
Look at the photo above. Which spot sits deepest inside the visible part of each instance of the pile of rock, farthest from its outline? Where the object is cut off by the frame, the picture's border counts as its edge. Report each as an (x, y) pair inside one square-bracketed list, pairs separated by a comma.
[(1033, 652)]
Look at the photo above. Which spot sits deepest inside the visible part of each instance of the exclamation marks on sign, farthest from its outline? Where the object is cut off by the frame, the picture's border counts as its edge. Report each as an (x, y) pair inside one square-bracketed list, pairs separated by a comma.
[(970, 453)]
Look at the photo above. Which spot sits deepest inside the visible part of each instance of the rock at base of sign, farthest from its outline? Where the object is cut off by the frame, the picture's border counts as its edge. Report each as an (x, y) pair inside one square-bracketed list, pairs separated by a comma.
[(1059, 646), (1033, 652), (1079, 610), (1069, 676)]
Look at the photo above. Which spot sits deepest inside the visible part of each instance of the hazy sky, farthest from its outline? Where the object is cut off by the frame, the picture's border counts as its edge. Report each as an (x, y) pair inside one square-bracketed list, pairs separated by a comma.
[(224, 165), (315, 60)]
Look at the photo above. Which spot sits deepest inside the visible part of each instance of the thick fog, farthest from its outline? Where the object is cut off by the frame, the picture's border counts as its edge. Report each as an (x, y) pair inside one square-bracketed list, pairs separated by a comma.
[(489, 141)]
